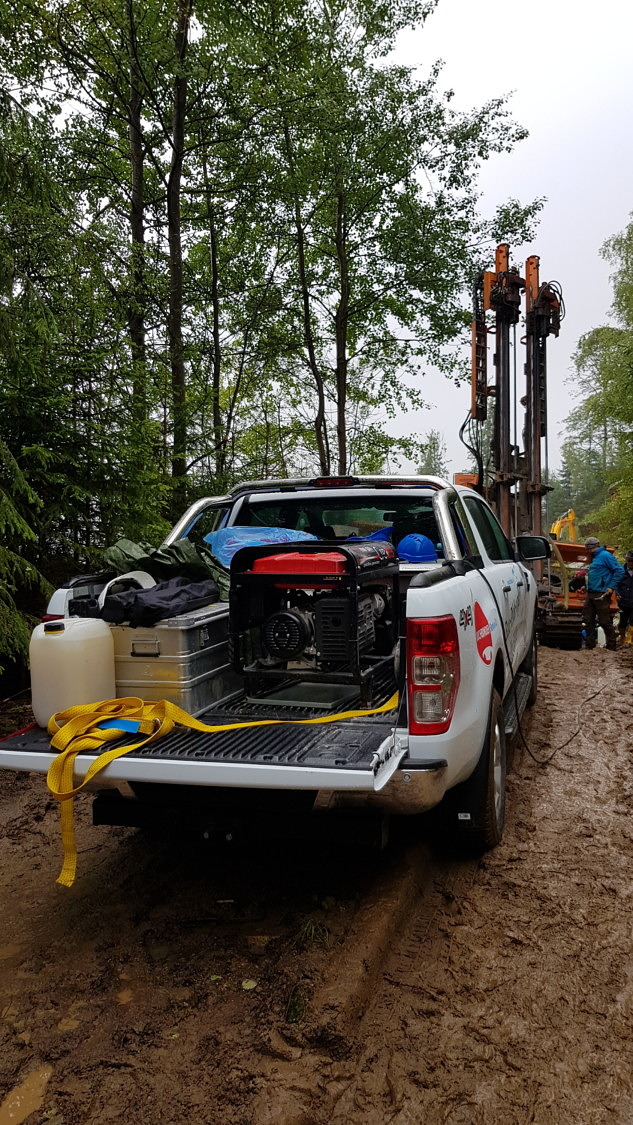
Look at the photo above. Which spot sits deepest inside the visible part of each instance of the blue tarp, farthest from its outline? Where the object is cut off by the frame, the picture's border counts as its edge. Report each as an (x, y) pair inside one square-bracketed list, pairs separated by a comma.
[(225, 542)]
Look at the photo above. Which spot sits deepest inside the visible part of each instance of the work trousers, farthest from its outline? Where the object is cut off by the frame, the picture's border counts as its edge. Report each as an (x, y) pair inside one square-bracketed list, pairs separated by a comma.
[(597, 607), (626, 619)]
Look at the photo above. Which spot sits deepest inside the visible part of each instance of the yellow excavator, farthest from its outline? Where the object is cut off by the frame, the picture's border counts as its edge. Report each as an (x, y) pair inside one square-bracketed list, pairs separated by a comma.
[(565, 599), (565, 523), (565, 596)]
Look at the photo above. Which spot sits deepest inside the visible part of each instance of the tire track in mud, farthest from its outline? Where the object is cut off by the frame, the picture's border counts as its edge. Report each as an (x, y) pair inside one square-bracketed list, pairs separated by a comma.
[(509, 998), (451, 883), (129, 987), (506, 997)]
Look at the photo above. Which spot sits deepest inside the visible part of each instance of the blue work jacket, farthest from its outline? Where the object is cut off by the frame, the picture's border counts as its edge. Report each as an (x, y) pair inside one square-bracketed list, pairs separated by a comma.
[(604, 571)]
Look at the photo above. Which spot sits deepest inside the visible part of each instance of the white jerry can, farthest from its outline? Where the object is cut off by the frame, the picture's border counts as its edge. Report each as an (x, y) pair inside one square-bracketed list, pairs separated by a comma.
[(72, 662)]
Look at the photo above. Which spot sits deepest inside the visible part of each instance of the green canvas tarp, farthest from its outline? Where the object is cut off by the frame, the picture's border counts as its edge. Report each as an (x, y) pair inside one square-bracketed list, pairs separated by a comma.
[(182, 559)]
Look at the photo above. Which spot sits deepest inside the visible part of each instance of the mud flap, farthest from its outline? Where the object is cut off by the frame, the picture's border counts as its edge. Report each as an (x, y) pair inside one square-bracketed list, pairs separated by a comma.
[(471, 817)]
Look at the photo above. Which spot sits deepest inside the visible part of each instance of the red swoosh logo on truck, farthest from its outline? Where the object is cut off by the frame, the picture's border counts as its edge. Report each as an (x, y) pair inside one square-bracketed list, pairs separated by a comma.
[(483, 635)]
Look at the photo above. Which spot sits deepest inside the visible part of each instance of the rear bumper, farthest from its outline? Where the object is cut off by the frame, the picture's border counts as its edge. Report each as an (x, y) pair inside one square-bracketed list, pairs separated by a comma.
[(413, 788), (395, 784)]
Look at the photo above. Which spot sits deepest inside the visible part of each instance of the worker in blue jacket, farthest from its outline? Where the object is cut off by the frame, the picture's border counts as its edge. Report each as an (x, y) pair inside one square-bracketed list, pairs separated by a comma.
[(602, 578)]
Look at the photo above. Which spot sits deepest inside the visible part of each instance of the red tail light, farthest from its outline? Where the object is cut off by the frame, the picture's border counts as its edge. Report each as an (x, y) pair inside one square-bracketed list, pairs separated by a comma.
[(52, 617), (432, 673)]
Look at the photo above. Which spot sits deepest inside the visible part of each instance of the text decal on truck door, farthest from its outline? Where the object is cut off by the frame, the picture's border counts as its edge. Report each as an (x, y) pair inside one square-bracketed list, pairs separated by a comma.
[(466, 617), (483, 634)]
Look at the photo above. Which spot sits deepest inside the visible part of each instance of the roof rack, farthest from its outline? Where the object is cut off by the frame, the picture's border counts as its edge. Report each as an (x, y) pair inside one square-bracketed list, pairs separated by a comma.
[(295, 484)]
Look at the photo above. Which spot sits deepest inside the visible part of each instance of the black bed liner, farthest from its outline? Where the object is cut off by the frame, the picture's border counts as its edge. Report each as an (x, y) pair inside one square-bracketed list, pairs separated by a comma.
[(350, 744)]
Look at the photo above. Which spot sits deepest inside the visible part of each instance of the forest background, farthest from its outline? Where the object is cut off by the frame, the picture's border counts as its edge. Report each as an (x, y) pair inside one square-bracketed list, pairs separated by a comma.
[(230, 235)]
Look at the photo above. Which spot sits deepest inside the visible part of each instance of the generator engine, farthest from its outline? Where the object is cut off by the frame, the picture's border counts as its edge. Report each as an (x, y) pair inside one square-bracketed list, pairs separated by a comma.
[(318, 628), (314, 613)]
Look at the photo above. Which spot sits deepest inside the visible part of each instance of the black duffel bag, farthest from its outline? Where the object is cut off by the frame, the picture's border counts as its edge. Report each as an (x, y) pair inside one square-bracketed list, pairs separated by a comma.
[(166, 599)]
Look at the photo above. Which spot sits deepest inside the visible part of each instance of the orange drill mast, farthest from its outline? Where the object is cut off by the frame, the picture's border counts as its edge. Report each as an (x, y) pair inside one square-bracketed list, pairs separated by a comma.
[(516, 486)]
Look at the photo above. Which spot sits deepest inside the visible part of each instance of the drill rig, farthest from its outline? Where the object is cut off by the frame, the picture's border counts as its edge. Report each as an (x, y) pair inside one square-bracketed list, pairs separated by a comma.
[(515, 485), (512, 477)]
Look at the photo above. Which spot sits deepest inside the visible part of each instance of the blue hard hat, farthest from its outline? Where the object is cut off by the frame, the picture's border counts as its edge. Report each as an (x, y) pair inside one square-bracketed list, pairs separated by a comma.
[(417, 548)]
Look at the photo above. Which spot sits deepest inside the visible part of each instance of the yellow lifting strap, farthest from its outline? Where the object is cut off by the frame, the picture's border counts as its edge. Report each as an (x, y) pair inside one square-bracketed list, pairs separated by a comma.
[(89, 726)]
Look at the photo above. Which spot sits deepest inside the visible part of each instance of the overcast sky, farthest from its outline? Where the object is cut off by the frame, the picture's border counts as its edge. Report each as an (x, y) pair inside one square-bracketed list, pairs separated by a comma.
[(569, 67)]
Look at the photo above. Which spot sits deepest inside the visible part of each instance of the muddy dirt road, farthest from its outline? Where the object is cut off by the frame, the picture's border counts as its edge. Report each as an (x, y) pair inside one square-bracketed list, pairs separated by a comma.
[(299, 986)]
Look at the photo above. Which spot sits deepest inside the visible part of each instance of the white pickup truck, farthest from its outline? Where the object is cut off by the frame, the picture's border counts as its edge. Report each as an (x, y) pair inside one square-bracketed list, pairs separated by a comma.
[(409, 586)]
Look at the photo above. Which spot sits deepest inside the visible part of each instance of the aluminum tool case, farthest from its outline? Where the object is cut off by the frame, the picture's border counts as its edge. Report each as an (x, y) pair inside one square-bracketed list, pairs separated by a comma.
[(183, 659)]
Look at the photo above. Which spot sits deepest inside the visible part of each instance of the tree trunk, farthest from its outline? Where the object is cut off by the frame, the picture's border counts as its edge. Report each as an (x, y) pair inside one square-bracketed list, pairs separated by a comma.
[(218, 443), (308, 336), (176, 344), (136, 303), (341, 326)]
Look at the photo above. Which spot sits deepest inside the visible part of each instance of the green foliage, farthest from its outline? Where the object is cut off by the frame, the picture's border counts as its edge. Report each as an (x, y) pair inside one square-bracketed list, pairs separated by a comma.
[(18, 500), (16, 573), (597, 475), (303, 249), (434, 457), (587, 465), (516, 221)]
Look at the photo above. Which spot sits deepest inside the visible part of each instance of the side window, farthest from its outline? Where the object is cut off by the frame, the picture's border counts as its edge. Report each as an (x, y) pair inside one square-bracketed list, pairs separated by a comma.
[(495, 543), (462, 527), (207, 521)]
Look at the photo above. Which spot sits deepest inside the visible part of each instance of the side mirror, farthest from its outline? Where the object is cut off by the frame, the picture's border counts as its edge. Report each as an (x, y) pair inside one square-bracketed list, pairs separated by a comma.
[(531, 548)]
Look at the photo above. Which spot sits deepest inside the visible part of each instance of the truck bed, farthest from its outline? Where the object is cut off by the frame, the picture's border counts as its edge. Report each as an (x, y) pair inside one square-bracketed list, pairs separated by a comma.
[(348, 754)]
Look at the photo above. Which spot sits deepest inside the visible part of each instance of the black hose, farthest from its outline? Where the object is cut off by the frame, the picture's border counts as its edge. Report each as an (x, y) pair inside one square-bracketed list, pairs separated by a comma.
[(476, 452), (539, 761)]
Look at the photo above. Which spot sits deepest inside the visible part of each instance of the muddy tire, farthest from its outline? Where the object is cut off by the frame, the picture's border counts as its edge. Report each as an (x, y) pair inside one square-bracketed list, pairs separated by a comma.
[(473, 813)]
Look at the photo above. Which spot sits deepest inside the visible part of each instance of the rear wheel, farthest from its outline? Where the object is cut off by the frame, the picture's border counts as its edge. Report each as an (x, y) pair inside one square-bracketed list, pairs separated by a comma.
[(475, 810)]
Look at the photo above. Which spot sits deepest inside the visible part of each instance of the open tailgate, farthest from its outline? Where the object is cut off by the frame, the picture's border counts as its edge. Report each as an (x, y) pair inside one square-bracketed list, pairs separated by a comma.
[(352, 754)]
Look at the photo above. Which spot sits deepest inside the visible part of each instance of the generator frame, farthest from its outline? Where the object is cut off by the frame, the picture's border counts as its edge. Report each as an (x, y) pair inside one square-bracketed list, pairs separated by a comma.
[(364, 668)]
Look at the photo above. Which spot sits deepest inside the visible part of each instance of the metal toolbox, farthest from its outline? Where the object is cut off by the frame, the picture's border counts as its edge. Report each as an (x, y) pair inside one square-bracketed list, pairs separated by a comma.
[(183, 659)]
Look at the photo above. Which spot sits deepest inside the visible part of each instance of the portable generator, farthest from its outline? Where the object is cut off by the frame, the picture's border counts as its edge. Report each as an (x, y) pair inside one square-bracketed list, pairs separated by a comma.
[(315, 613)]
